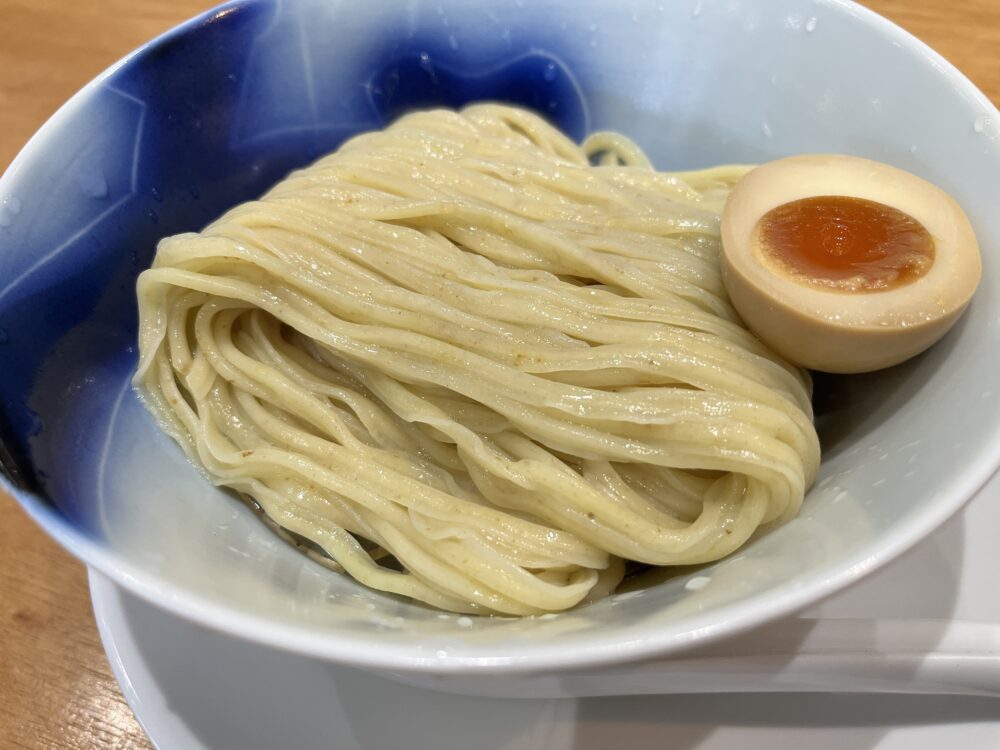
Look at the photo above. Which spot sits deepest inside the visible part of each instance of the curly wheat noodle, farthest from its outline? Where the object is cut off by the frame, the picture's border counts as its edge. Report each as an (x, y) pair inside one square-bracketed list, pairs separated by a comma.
[(476, 370)]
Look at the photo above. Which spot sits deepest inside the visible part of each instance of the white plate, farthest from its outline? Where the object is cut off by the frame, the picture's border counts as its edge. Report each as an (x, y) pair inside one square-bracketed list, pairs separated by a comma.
[(194, 689)]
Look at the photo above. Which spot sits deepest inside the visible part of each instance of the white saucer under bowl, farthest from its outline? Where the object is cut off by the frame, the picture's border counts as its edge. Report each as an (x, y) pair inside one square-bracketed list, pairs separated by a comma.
[(196, 689)]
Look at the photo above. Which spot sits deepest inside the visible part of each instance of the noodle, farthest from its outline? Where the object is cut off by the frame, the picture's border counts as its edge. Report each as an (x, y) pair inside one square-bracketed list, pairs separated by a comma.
[(474, 369)]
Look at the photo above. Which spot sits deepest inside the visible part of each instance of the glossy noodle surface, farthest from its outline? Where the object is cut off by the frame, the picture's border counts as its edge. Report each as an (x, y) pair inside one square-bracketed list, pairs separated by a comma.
[(478, 365)]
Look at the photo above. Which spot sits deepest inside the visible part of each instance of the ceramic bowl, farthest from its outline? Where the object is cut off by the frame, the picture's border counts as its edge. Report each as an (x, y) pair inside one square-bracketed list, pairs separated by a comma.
[(220, 108)]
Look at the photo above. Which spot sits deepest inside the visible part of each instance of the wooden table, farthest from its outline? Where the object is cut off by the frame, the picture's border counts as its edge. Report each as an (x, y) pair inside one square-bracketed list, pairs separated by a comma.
[(56, 690)]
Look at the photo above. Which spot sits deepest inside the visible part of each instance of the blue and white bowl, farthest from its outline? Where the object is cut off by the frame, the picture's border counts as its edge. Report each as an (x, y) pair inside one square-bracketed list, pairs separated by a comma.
[(217, 110)]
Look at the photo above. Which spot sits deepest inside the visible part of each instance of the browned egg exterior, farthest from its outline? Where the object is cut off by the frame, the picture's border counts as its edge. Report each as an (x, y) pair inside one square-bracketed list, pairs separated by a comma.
[(843, 264)]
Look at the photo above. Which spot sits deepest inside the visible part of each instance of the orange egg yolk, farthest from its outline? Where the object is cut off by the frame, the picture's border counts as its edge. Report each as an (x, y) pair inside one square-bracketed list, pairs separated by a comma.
[(845, 243)]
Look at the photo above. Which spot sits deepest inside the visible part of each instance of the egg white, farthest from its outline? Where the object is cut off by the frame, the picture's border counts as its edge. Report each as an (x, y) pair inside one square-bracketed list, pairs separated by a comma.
[(841, 330)]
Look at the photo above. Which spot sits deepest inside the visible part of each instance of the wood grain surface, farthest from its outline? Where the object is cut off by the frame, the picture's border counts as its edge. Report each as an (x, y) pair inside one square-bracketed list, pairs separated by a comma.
[(56, 689)]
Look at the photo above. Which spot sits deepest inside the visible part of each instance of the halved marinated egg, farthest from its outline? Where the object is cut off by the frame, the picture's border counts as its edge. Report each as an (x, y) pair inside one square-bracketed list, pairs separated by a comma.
[(844, 264)]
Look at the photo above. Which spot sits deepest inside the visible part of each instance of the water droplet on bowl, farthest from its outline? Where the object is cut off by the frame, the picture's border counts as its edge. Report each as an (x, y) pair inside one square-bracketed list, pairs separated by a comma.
[(157, 195), (979, 124), (697, 583), (9, 208), (765, 128), (93, 183), (452, 41), (550, 73), (811, 25), (696, 10), (37, 426), (153, 217)]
